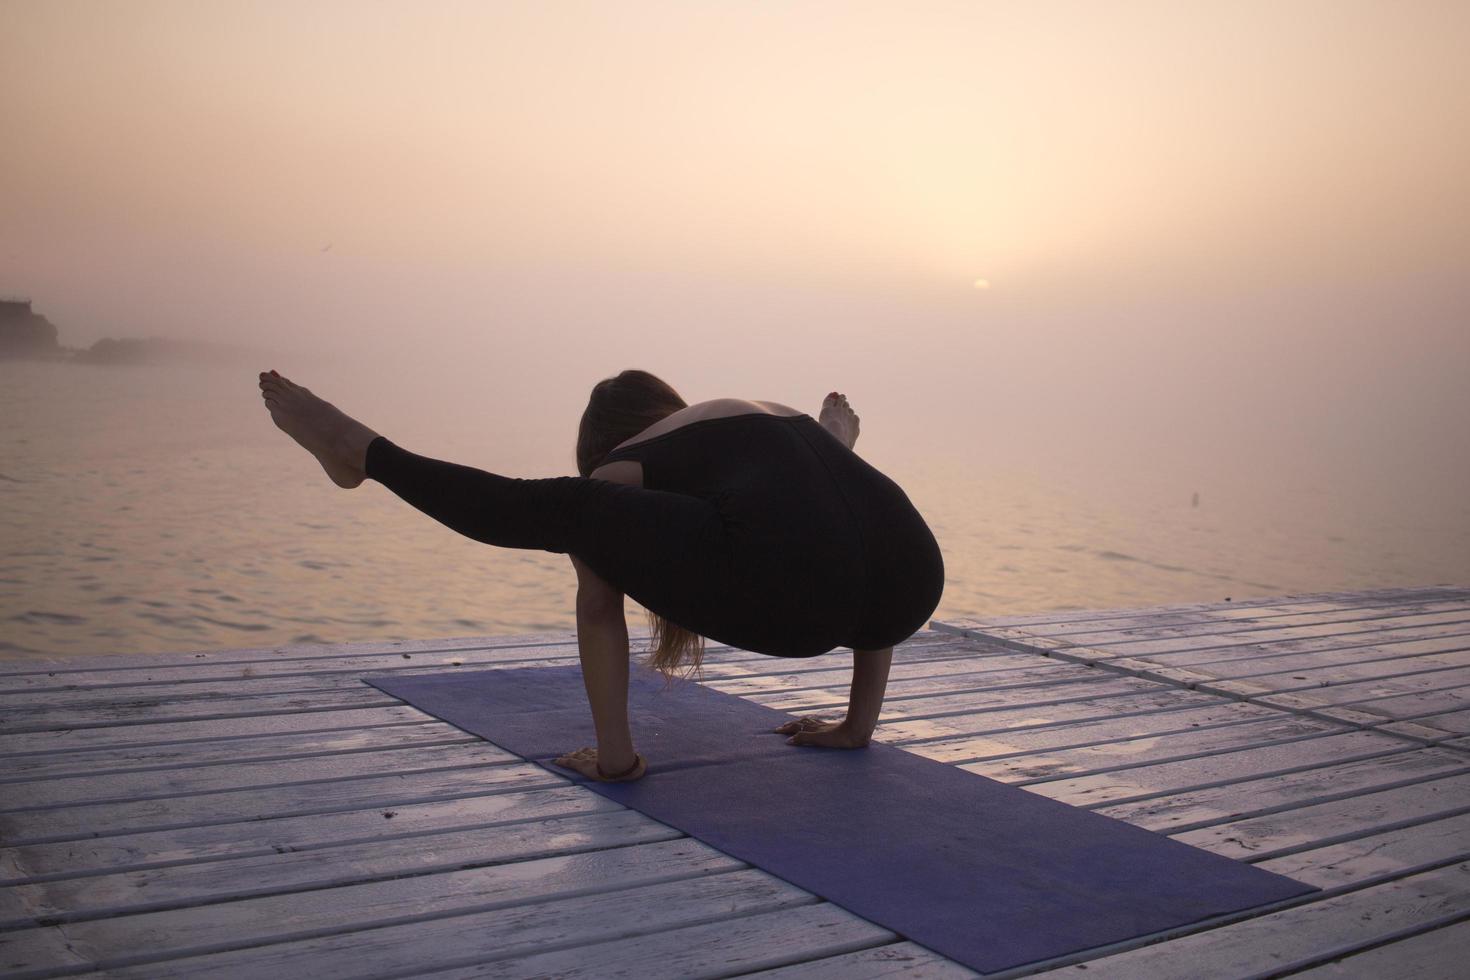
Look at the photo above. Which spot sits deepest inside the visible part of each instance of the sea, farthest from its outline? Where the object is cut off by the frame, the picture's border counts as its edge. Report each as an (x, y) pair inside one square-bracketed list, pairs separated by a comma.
[(155, 508)]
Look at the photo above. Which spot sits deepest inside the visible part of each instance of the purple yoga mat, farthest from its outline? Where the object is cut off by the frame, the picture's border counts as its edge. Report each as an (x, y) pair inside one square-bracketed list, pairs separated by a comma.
[(981, 872)]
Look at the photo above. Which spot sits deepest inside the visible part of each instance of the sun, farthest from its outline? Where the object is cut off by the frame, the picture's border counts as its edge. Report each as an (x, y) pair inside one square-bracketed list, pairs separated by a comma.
[(982, 283)]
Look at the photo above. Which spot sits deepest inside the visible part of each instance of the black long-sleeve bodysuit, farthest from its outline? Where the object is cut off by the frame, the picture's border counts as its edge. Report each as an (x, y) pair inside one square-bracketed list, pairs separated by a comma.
[(761, 531)]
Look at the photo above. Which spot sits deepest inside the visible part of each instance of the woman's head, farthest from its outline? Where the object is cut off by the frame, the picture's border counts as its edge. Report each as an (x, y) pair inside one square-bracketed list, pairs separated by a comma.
[(619, 409)]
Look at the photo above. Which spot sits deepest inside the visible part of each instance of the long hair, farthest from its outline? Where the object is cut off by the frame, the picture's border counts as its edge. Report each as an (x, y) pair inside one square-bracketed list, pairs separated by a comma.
[(618, 409)]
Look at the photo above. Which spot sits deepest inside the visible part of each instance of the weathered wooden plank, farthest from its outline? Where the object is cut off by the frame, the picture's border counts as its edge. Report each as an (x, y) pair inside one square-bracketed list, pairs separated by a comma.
[(161, 708), (1339, 666), (157, 784), (250, 838), (1438, 954), (1432, 639), (1422, 639), (69, 823), (1461, 743), (1247, 618), (1302, 935), (1037, 698), (1154, 725), (902, 959), (1361, 810), (1414, 730), (1202, 661), (985, 664), (1157, 700), (1191, 809), (1043, 681), (20, 953), (1365, 703), (1440, 703), (63, 741), (1422, 626), (1046, 686), (1428, 639), (590, 938), (1418, 593), (1403, 847), (1245, 605), (304, 938), (183, 885), (1349, 694), (1207, 635), (225, 751), (1006, 720), (1103, 634), (1094, 775)]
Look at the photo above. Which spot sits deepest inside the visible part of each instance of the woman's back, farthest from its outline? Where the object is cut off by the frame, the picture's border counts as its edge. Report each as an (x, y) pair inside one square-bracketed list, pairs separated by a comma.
[(810, 528)]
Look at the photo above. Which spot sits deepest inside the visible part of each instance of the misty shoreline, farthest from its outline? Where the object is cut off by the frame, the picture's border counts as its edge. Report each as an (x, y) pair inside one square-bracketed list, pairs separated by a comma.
[(29, 336)]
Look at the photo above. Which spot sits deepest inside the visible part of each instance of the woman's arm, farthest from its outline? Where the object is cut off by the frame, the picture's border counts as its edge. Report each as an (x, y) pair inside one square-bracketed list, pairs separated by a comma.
[(864, 704), (603, 644), (869, 681)]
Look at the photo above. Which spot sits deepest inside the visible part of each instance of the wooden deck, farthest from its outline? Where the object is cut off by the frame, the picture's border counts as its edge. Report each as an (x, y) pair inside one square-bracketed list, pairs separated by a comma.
[(263, 813)]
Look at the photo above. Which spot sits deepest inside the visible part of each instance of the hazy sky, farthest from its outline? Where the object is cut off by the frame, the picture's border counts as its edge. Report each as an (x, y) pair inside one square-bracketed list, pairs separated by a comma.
[(1236, 222)]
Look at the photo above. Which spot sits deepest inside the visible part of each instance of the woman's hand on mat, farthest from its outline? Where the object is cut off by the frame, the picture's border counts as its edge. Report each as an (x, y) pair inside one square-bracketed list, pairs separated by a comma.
[(584, 761), (812, 730)]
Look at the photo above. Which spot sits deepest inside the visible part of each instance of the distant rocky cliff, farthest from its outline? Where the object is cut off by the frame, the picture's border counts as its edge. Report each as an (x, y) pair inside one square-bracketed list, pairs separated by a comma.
[(24, 333)]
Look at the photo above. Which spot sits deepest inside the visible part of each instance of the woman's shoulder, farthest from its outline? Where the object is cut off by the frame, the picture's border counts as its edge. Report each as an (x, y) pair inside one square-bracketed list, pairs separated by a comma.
[(713, 409), (720, 407), (631, 470)]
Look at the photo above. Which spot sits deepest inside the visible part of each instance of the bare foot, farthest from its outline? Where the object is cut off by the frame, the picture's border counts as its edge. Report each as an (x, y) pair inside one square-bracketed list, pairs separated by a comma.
[(337, 441), (839, 419)]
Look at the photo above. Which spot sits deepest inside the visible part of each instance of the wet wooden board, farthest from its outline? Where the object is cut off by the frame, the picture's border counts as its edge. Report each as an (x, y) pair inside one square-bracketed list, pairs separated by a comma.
[(262, 813)]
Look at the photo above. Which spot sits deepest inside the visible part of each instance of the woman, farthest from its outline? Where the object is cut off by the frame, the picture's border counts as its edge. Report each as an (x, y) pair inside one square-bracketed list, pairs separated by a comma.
[(747, 522)]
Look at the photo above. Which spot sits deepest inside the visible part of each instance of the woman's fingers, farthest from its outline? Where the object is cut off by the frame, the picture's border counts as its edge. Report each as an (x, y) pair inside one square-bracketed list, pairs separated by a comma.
[(824, 737), (808, 723)]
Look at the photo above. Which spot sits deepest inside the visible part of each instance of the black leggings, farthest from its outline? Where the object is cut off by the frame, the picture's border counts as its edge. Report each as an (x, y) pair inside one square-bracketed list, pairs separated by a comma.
[(778, 540)]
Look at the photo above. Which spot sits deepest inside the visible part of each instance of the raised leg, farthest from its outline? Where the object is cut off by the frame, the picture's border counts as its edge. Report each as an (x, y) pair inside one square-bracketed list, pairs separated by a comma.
[(338, 441)]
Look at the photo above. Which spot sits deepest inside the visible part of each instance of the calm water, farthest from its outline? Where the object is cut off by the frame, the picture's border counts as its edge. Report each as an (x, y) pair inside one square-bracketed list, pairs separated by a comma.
[(157, 509)]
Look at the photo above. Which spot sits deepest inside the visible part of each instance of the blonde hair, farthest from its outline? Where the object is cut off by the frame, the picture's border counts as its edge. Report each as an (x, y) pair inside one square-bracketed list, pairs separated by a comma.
[(671, 647), (619, 408)]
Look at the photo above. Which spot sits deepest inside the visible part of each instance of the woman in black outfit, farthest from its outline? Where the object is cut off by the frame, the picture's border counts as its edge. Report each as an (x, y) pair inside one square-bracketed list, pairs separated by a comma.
[(746, 522)]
